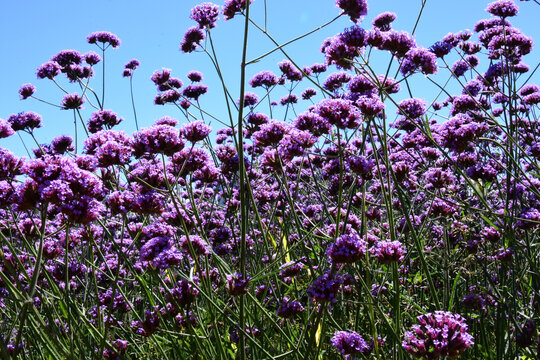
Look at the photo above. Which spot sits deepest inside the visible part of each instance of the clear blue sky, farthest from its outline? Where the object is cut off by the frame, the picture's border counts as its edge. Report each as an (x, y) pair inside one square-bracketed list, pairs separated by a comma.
[(33, 31)]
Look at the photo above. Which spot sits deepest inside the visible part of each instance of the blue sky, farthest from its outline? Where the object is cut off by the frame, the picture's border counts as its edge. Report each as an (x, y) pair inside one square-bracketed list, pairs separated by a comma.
[(33, 31)]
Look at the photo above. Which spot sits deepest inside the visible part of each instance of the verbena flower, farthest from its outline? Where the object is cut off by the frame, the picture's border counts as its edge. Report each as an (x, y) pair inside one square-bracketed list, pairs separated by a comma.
[(103, 37), (383, 21), (192, 38), (325, 288), (388, 251), (439, 334), (91, 58), (26, 121), (236, 285), (26, 91), (195, 76), (5, 129), (233, 7), (72, 101), (354, 8), (205, 14), (503, 8), (195, 131), (347, 249), (266, 79), (48, 70), (349, 343), (289, 308), (132, 64)]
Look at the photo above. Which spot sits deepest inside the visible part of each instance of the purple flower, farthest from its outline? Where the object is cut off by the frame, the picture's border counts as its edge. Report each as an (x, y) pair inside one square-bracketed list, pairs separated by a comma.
[(194, 91), (347, 249), (312, 122), (5, 129), (195, 76), (61, 144), (109, 147), (354, 37), (26, 91), (336, 80), (157, 139), (205, 14), (72, 101), (338, 53), (132, 64), (91, 58), (361, 166), (270, 133), (158, 250), (390, 85), (383, 21), (412, 108), (289, 308), (290, 71), (10, 165), (48, 70), (349, 343), (26, 121), (160, 77), (232, 7), (398, 43), (288, 99), (149, 325), (237, 285), (102, 118), (388, 251), (104, 37), (199, 246), (441, 48), (195, 131), (325, 288), (419, 59), (370, 106), (503, 8), (67, 57), (266, 79), (439, 334), (339, 112), (318, 68), (192, 38), (354, 8), (166, 120), (529, 89), (250, 99), (308, 93)]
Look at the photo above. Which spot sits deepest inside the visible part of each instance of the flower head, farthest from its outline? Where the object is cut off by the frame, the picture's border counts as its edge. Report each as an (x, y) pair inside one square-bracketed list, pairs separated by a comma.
[(26, 91), (48, 70), (103, 37), (132, 64), (91, 58), (192, 38), (383, 21), (503, 8), (347, 249), (354, 8), (349, 343), (72, 101), (440, 334), (205, 14), (237, 285)]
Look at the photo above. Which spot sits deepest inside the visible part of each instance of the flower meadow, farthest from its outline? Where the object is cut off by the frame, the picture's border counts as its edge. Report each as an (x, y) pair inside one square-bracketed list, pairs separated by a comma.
[(328, 214)]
